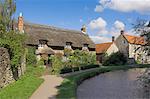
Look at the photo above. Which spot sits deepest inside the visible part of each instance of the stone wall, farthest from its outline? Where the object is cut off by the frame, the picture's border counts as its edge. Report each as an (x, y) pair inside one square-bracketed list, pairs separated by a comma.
[(122, 45), (6, 76)]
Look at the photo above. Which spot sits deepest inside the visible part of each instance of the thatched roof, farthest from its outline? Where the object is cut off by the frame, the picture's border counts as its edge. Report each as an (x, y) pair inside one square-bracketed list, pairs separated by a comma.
[(56, 36)]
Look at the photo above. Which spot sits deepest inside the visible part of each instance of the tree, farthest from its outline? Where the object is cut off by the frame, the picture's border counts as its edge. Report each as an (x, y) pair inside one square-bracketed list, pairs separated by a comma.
[(142, 27), (7, 9), (117, 58)]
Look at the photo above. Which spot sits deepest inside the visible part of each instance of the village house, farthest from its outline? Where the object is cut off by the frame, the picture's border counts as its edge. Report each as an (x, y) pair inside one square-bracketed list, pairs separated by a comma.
[(105, 49), (50, 40), (131, 46)]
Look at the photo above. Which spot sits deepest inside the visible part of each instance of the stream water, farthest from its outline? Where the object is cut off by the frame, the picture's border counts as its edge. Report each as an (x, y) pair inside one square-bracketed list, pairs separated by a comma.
[(113, 85)]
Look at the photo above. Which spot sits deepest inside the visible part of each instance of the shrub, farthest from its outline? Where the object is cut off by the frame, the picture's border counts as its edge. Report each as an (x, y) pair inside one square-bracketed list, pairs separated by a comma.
[(72, 62), (31, 57), (57, 64), (117, 58), (89, 67), (40, 63), (80, 58)]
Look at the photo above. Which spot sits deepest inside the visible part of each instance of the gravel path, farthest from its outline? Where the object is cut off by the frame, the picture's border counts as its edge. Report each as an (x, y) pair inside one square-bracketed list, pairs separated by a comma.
[(112, 85), (47, 90)]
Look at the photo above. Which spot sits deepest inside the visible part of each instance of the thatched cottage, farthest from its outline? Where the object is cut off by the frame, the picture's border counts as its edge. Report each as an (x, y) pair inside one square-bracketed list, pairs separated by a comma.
[(50, 40)]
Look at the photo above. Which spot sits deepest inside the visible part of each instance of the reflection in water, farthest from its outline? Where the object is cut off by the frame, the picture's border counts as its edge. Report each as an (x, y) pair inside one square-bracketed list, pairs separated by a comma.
[(114, 85)]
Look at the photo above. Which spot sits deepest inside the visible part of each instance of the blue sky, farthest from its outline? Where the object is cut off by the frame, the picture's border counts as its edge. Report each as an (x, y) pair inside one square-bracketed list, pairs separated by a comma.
[(72, 14)]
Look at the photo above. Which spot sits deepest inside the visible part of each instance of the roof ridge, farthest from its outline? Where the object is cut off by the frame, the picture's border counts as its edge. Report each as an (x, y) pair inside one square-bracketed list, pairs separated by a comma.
[(131, 35), (51, 27)]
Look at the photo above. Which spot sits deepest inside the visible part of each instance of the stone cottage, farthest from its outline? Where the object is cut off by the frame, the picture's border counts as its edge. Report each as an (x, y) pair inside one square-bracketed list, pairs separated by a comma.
[(50, 40), (105, 49), (131, 46)]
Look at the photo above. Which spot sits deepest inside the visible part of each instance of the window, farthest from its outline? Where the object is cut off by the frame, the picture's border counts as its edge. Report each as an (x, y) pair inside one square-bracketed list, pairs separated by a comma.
[(85, 45), (42, 43), (68, 45), (124, 42)]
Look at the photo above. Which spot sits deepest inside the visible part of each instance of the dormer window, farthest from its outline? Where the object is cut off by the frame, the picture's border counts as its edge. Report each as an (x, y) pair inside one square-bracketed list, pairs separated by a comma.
[(85, 47), (68, 45), (42, 43)]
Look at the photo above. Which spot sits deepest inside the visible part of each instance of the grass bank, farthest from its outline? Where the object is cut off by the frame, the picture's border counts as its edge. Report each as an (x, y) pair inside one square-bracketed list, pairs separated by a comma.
[(25, 86), (68, 88)]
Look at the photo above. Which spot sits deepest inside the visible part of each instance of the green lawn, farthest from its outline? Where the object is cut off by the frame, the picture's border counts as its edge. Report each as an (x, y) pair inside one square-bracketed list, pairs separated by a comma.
[(25, 86), (67, 90)]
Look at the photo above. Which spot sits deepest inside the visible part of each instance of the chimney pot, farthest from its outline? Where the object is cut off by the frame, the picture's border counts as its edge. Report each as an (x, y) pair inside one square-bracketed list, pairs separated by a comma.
[(83, 29), (113, 38), (122, 32)]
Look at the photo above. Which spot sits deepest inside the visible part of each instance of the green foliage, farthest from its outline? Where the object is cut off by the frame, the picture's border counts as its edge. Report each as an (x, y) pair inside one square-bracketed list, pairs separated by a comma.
[(8, 8), (14, 42), (67, 51), (24, 87), (31, 57), (115, 59), (57, 64), (74, 60), (84, 67), (80, 58), (40, 63)]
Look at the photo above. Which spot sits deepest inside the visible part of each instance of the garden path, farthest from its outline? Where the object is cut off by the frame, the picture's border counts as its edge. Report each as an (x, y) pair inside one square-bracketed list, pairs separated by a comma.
[(48, 89)]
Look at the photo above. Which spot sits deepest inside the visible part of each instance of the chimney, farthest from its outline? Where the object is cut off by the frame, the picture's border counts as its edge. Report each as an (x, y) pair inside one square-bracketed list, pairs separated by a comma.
[(83, 29), (122, 32), (113, 38), (20, 23)]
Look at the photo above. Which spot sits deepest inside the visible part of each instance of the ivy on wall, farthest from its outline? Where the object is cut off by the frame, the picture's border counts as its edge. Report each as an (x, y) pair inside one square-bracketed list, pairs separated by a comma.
[(14, 42)]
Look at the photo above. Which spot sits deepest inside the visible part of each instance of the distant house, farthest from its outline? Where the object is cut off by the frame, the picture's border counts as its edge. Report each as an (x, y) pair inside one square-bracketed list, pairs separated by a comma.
[(105, 49), (131, 46), (50, 40)]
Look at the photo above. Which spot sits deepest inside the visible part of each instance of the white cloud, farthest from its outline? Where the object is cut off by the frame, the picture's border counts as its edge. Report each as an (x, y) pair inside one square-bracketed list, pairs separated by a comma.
[(141, 6), (100, 39), (98, 8), (119, 25), (99, 23), (102, 33)]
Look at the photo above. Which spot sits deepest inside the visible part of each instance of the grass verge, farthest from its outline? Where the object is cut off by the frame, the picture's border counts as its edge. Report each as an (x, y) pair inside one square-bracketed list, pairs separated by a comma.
[(25, 86), (67, 90)]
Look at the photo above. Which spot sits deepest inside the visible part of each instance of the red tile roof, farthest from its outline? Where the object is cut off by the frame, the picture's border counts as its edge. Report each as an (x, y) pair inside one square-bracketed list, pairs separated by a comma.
[(102, 48), (135, 39)]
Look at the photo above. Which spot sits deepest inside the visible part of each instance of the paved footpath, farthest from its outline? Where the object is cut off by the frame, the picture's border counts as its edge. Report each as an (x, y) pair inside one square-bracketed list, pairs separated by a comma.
[(47, 89)]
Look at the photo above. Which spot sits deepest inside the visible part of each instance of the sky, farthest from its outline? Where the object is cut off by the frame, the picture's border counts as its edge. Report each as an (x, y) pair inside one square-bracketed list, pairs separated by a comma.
[(103, 18)]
